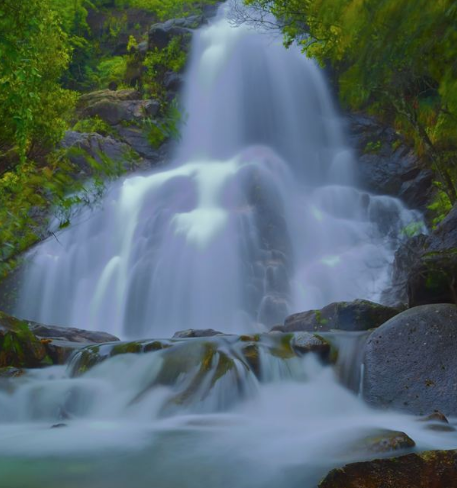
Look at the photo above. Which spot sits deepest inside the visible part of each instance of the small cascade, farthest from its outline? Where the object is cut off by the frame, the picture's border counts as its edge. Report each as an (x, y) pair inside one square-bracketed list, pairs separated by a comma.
[(257, 217), (155, 411)]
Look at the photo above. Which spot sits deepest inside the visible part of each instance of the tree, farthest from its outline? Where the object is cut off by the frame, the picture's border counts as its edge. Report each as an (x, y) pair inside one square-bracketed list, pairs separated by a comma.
[(395, 58)]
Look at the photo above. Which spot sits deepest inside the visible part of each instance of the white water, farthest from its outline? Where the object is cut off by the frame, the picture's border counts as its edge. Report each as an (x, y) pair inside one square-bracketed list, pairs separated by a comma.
[(256, 218)]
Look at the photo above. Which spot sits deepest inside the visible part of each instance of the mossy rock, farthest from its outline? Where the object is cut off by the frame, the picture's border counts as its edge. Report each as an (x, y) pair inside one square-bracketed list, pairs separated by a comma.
[(356, 316), (19, 347), (437, 469), (382, 441)]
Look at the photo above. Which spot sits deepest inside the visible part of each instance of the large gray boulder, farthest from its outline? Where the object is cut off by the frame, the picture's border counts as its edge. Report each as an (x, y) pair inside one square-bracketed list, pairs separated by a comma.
[(359, 315), (411, 361)]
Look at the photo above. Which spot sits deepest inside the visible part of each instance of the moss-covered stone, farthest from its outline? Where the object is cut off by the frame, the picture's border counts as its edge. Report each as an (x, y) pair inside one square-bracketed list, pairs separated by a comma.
[(19, 347), (433, 469)]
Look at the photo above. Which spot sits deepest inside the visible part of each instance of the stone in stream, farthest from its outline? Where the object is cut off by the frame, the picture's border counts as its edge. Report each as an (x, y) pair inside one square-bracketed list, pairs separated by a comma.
[(186, 334), (382, 441), (359, 315), (411, 361), (433, 469)]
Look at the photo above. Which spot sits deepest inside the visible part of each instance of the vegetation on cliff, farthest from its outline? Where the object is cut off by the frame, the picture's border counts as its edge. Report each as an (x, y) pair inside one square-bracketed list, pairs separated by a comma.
[(50, 50), (395, 59)]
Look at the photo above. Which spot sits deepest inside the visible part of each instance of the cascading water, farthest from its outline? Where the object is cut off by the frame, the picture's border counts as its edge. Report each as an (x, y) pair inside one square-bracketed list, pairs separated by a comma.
[(256, 218)]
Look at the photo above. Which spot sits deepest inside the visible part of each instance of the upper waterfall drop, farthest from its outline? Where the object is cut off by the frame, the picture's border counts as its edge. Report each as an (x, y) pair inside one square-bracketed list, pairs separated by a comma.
[(256, 218)]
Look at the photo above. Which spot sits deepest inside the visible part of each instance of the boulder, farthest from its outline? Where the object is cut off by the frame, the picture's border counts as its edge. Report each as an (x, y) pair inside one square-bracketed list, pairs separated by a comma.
[(437, 469), (160, 35), (80, 146), (382, 441), (387, 165), (25, 344), (117, 112), (410, 362), (108, 95), (19, 347), (359, 315)]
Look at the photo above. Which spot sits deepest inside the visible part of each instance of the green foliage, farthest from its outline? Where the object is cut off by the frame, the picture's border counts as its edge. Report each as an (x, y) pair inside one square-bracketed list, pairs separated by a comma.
[(373, 147), (94, 124), (161, 61), (440, 206), (108, 70), (394, 59), (167, 9)]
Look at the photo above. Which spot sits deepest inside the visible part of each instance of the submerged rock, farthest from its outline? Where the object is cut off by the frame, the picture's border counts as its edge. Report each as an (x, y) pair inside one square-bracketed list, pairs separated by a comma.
[(410, 361), (358, 315), (437, 469)]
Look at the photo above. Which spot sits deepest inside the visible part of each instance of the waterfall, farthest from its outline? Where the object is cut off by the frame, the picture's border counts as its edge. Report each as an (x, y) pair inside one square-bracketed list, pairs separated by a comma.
[(257, 216)]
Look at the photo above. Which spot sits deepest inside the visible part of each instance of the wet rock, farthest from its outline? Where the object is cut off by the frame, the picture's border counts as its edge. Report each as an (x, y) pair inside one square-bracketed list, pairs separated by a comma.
[(358, 315), (19, 347), (81, 146), (305, 342), (10, 372), (70, 334), (387, 165), (406, 257), (437, 469), (410, 361), (437, 422), (58, 426), (137, 139), (425, 267), (186, 334), (383, 442), (433, 278), (435, 417)]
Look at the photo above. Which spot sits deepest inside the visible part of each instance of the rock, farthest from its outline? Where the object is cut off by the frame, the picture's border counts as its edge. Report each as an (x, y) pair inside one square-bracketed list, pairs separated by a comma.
[(186, 334), (435, 417), (116, 112), (444, 237), (80, 146), (137, 139), (383, 441), (433, 278), (387, 166), (25, 344), (19, 347), (173, 81), (304, 342), (358, 315), (10, 372), (108, 95), (406, 257), (410, 361), (437, 469), (160, 35), (425, 267), (70, 334)]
